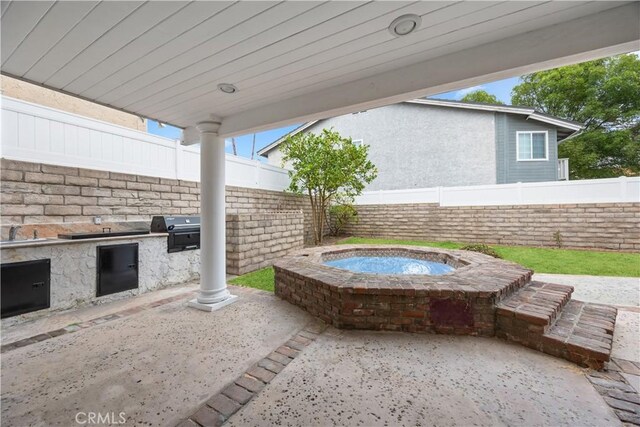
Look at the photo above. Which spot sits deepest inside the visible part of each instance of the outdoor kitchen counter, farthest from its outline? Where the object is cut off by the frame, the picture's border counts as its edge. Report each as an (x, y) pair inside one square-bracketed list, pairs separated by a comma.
[(73, 279), (56, 241)]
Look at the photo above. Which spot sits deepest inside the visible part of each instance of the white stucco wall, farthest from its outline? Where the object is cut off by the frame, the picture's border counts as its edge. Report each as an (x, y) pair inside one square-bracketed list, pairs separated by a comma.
[(418, 146), (275, 158)]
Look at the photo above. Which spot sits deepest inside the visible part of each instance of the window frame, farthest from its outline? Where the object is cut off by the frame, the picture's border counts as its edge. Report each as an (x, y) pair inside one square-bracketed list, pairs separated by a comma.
[(546, 145)]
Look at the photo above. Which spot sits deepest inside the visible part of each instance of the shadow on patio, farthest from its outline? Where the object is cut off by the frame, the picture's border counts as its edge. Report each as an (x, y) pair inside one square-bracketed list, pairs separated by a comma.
[(158, 365)]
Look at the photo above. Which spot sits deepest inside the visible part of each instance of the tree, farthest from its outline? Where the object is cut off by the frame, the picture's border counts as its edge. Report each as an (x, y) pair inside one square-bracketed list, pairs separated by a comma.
[(481, 96), (604, 95), (326, 167)]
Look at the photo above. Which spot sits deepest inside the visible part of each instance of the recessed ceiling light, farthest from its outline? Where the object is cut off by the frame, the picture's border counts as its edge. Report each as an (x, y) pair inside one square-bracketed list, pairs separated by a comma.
[(227, 88), (404, 25)]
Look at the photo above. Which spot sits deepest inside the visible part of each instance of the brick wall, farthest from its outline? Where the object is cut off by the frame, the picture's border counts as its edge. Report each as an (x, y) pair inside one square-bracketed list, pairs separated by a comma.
[(603, 226), (247, 235), (34, 193)]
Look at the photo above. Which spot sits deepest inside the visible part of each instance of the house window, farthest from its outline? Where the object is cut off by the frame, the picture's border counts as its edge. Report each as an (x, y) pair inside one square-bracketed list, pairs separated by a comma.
[(532, 146), (358, 142)]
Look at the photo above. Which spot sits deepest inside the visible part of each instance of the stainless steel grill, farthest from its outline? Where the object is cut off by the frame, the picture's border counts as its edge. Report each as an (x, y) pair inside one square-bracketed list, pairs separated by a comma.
[(184, 231)]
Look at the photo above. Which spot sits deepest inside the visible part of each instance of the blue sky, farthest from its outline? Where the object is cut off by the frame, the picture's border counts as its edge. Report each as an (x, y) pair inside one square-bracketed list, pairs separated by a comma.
[(501, 89), (243, 143)]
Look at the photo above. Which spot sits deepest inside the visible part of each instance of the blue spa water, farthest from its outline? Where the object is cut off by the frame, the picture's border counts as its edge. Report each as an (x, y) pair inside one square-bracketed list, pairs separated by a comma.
[(390, 265)]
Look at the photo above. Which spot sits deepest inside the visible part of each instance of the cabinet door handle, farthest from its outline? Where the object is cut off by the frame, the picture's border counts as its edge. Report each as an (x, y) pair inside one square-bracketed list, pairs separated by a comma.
[(132, 266), (37, 284)]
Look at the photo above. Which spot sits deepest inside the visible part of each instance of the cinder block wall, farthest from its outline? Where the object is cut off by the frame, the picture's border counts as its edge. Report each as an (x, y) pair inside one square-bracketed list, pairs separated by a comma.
[(603, 226), (34, 193), (255, 240)]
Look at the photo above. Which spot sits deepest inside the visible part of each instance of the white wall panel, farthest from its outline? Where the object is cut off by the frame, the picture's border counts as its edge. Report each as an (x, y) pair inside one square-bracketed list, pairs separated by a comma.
[(26, 132), (39, 134), (33, 133), (610, 190), (9, 129)]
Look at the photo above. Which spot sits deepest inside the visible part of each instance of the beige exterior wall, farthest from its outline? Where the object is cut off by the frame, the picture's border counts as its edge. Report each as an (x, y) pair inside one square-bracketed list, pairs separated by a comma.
[(593, 225), (39, 95), (34, 193), (255, 240)]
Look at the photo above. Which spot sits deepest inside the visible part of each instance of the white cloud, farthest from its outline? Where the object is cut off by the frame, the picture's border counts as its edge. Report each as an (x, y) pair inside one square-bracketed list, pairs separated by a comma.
[(463, 92)]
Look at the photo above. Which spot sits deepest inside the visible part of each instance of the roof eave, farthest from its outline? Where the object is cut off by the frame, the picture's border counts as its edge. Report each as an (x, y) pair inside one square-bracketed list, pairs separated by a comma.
[(473, 106), (529, 112), (265, 150), (556, 122)]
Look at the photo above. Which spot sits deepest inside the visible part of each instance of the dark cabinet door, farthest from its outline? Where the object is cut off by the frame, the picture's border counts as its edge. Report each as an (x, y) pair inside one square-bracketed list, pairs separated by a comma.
[(183, 241), (117, 267), (25, 286)]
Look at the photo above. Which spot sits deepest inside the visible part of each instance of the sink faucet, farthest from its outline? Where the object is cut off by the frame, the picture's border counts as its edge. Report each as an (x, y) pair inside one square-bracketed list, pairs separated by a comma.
[(13, 231)]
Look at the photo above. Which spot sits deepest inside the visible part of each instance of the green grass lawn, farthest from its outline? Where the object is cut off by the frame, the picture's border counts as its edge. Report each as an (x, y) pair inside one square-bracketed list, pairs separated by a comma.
[(259, 279), (544, 260), (540, 260)]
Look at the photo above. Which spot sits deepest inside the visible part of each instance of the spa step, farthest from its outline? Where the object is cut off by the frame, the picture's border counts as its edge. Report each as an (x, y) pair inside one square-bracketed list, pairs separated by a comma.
[(532, 309), (542, 316), (582, 334)]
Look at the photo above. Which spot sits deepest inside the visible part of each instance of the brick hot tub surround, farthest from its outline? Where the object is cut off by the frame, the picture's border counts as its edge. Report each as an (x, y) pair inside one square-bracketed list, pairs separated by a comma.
[(461, 302)]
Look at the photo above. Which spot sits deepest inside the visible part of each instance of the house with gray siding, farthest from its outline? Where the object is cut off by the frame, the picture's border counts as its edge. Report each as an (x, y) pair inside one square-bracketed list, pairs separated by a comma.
[(429, 143)]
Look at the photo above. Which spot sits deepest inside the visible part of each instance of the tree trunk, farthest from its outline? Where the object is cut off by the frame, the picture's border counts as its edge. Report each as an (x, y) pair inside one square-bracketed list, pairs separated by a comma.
[(320, 220), (312, 201)]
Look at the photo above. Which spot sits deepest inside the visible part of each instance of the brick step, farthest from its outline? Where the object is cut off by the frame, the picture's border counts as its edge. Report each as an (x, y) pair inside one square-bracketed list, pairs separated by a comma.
[(543, 316), (532, 309), (582, 334)]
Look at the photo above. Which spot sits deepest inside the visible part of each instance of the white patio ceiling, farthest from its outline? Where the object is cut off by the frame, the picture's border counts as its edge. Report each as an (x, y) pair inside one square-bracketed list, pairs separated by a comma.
[(293, 61)]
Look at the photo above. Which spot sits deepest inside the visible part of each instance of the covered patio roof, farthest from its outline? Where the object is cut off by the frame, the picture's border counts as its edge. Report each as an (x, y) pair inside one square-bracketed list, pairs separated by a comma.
[(219, 69), (293, 61)]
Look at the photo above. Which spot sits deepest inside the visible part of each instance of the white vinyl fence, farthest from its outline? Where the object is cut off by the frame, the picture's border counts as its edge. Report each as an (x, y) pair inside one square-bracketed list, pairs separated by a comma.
[(611, 190), (34, 133)]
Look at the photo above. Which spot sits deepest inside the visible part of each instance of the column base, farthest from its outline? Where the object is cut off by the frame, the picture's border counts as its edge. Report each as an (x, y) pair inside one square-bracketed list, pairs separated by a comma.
[(212, 307)]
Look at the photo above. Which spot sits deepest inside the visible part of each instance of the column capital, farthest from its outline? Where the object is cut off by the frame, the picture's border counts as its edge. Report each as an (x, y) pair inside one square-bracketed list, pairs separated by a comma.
[(208, 126)]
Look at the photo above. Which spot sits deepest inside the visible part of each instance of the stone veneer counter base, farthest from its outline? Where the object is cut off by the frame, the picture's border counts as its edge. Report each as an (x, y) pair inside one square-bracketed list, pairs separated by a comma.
[(73, 269), (460, 302)]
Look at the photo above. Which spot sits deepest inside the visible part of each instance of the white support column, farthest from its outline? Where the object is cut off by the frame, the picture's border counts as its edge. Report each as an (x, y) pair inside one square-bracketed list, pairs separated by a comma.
[(213, 292)]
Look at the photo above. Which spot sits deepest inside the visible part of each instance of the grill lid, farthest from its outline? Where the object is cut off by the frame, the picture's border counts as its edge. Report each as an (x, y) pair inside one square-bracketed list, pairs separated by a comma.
[(172, 224)]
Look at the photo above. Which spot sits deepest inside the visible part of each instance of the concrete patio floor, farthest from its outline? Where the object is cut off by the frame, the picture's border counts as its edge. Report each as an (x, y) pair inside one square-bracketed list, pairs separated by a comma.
[(156, 365), (618, 291), (391, 379), (161, 364)]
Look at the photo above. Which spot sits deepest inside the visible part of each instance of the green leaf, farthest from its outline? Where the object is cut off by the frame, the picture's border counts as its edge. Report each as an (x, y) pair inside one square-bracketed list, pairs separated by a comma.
[(605, 96), (324, 167)]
